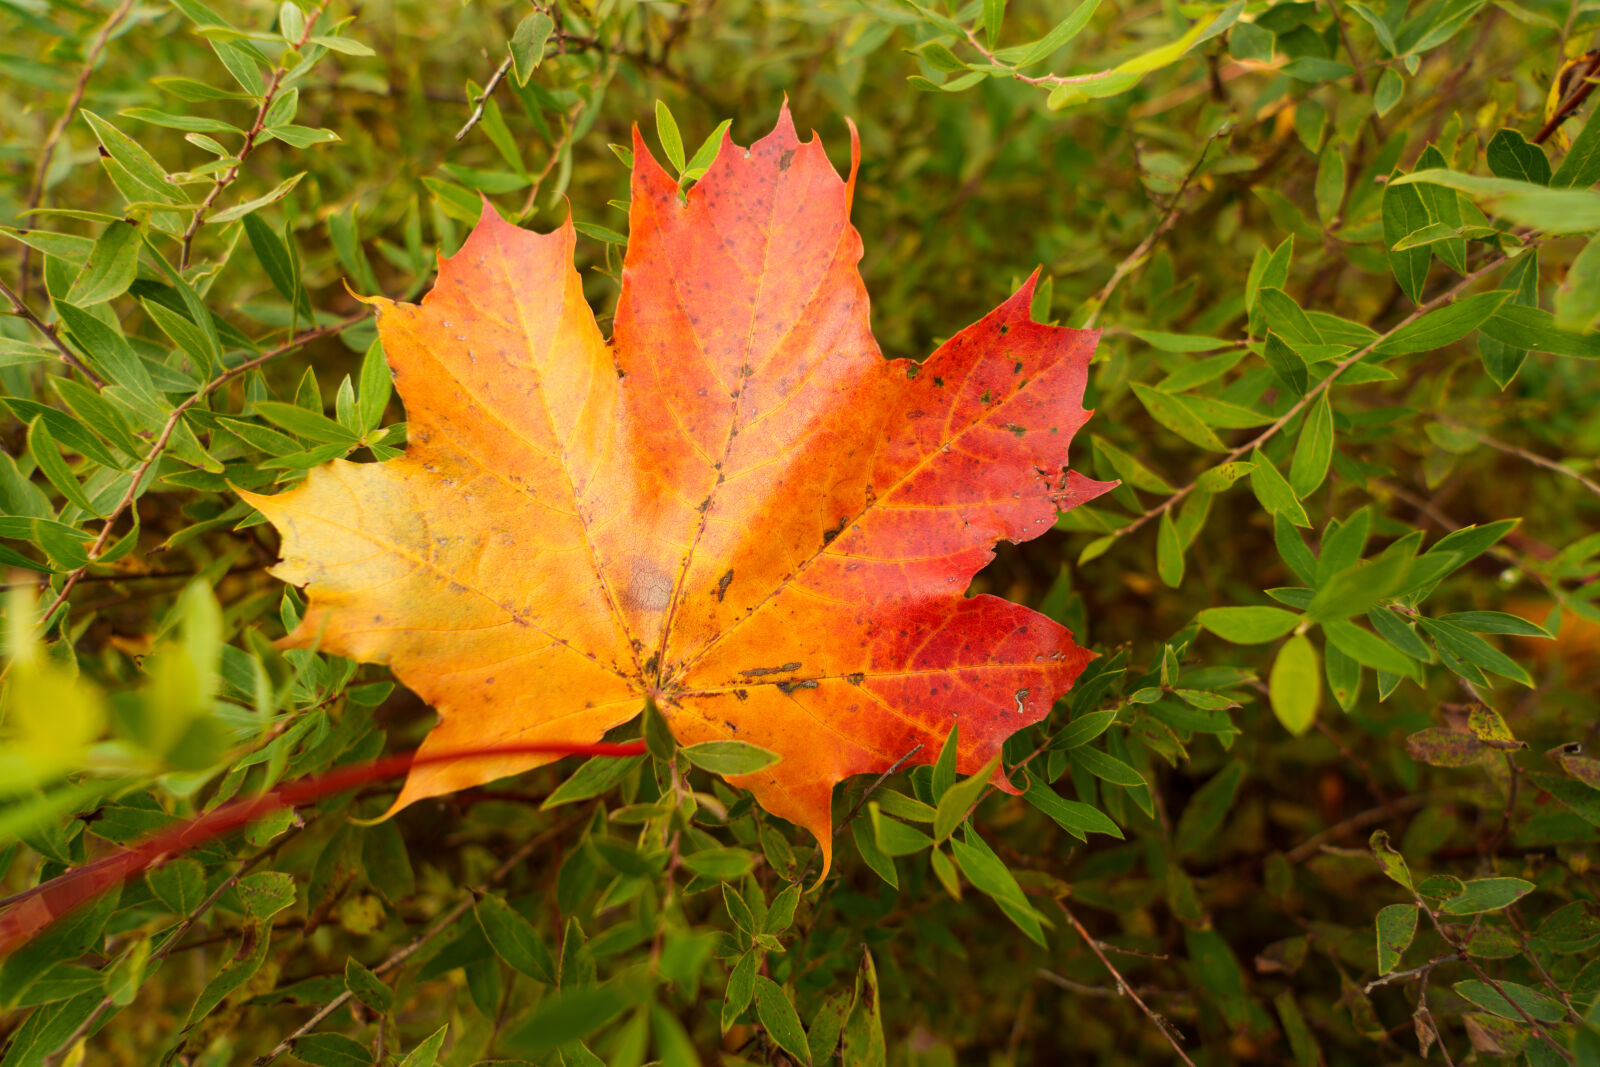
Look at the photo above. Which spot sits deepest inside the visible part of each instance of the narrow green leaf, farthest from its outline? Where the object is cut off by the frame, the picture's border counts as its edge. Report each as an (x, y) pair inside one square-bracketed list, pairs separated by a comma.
[(1313, 453)]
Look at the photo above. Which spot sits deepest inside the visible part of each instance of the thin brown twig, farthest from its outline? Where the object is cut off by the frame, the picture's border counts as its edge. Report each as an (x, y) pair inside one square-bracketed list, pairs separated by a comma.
[(1131, 261), (1360, 821), (483, 97), (1312, 394), (1526, 456), (1127, 990), (69, 357), (160, 444), (52, 140), (437, 927), (232, 174)]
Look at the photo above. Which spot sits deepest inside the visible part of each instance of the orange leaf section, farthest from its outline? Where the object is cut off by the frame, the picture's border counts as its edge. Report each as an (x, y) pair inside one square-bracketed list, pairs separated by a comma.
[(735, 506)]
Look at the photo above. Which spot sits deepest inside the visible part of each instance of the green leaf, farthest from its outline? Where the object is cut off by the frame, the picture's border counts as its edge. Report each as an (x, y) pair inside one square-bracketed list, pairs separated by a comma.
[(1368, 649), (1083, 729), (1285, 318), (671, 139), (527, 44), (343, 45), (1403, 214), (1391, 86), (720, 864), (332, 1050), (1475, 650), (426, 1054), (944, 768), (740, 990), (959, 799), (1207, 809), (1487, 894), (1075, 817), (1495, 622), (864, 833), (1274, 492), (367, 987), (1578, 298), (1505, 1000), (1064, 31), (1130, 470), (1294, 686), (780, 1020), (1510, 155), (1520, 326), (140, 165), (1169, 551), (594, 777), (307, 424), (1390, 862), (239, 211), (1248, 625), (1580, 168), (1443, 325), (1553, 210), (111, 267), (1313, 454), (514, 939), (1329, 187), (994, 12), (570, 1015), (729, 757), (1397, 925), (45, 452), (985, 871), (1177, 414), (1107, 767), (895, 838), (266, 893)]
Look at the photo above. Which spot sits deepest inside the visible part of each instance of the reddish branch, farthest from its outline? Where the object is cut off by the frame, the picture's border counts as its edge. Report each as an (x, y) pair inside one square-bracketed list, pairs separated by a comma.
[(1586, 84), (34, 910)]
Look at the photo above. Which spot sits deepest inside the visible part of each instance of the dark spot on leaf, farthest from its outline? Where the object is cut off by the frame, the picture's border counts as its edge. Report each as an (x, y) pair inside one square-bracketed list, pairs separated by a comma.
[(789, 687), (855, 679), (722, 585), (757, 672)]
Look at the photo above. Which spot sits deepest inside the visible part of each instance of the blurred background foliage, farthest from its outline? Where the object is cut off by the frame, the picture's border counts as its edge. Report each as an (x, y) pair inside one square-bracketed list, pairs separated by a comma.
[(1323, 799)]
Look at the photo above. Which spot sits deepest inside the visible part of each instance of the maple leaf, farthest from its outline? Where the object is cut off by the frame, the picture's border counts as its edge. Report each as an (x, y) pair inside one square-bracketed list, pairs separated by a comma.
[(735, 507)]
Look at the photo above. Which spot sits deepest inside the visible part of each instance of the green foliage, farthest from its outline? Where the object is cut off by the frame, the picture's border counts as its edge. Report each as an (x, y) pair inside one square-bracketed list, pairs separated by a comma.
[(1345, 261)]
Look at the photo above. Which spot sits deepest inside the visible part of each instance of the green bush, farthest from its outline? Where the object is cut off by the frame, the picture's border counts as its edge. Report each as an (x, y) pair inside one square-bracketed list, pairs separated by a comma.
[(1344, 256)]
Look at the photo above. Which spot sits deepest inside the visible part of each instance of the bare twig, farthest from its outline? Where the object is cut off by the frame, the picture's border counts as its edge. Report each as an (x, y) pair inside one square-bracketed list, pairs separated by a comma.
[(1371, 817), (228, 178), (25, 313), (483, 97), (52, 140), (1526, 456), (1126, 989), (160, 444), (1131, 261)]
